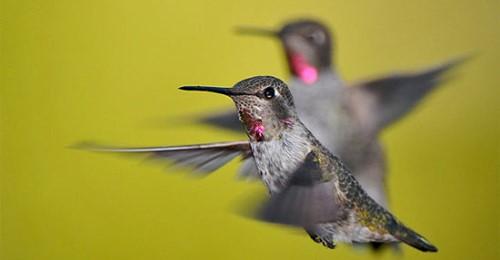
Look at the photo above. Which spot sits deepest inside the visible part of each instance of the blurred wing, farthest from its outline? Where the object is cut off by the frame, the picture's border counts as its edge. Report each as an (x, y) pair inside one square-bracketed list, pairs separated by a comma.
[(381, 102), (248, 168), (227, 120), (308, 199), (201, 157)]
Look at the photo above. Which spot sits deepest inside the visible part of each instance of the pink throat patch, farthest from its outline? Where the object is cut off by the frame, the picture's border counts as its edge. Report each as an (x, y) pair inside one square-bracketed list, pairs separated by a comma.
[(256, 128), (258, 132), (307, 73)]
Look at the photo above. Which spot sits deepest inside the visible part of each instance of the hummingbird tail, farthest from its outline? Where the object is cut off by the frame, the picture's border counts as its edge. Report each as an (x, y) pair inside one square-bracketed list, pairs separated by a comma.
[(411, 238)]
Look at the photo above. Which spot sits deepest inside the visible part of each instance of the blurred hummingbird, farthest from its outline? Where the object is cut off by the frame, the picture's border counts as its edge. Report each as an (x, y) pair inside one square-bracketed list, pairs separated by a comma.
[(347, 120), (309, 187)]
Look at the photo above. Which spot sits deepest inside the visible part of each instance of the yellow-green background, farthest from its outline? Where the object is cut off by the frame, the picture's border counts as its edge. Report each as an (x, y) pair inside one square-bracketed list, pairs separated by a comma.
[(109, 71)]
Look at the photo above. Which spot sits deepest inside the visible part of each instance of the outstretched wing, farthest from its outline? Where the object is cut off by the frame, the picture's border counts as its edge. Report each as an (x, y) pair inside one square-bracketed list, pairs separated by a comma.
[(200, 157), (382, 101), (307, 200)]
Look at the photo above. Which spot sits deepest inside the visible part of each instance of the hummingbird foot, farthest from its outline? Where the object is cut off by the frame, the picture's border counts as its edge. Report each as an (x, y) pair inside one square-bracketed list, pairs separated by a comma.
[(325, 243)]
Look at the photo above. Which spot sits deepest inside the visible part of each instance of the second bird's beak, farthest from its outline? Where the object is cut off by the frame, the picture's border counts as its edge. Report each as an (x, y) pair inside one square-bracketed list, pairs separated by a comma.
[(257, 31)]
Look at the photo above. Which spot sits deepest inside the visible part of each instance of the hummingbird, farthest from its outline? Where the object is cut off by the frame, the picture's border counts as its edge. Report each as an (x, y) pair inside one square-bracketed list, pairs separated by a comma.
[(347, 119), (309, 187)]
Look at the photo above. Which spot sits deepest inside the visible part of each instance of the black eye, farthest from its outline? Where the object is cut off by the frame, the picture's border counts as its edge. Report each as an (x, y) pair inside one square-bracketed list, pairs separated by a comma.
[(269, 92), (316, 37), (311, 38)]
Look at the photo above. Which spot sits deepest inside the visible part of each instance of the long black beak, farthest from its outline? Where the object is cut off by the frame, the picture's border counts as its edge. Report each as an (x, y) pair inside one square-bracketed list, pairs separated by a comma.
[(256, 31), (224, 91)]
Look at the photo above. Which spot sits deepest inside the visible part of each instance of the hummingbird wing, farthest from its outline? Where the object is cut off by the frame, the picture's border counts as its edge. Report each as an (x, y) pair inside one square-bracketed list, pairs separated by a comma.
[(307, 200), (200, 157), (382, 101), (248, 168)]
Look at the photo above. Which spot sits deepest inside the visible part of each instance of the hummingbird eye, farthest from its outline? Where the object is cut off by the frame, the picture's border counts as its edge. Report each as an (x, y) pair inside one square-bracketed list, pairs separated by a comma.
[(316, 37), (269, 92), (311, 38)]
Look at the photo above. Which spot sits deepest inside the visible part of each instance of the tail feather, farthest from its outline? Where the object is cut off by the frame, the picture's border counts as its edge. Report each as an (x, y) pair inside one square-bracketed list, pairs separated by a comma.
[(410, 237)]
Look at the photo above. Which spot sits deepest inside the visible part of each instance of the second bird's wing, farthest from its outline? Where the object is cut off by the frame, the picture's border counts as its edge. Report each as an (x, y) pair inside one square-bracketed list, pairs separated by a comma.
[(382, 101), (227, 120)]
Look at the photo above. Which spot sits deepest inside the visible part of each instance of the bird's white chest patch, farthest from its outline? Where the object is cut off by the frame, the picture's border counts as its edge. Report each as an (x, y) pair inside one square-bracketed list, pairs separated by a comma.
[(278, 159)]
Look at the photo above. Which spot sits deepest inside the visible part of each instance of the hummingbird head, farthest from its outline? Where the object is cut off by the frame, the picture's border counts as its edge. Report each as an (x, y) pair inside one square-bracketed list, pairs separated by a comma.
[(307, 45), (264, 103)]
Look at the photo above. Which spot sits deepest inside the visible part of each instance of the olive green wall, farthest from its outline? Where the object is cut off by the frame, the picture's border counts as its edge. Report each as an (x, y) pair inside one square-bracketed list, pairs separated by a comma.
[(109, 70)]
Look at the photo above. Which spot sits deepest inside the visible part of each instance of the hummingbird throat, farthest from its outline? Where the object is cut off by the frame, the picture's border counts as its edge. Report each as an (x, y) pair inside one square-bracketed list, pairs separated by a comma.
[(305, 71), (254, 127)]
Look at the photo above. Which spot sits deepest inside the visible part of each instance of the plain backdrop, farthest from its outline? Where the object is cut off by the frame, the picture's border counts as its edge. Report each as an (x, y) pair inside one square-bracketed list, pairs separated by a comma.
[(108, 71)]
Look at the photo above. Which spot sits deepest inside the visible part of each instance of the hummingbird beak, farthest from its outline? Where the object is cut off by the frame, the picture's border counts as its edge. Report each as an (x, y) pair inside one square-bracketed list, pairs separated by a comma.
[(256, 31), (224, 91)]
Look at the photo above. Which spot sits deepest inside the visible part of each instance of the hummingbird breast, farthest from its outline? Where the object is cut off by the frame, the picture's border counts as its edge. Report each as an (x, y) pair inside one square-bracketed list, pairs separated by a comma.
[(277, 158)]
